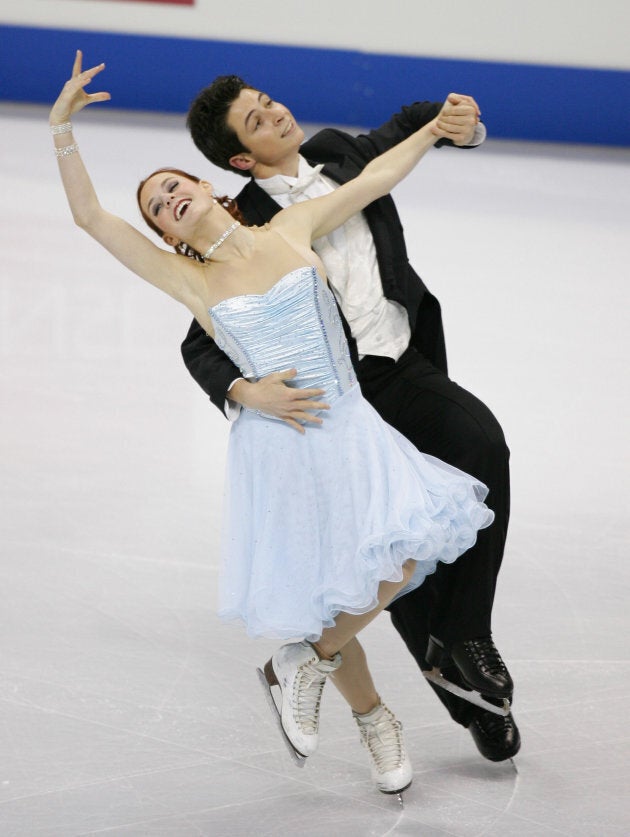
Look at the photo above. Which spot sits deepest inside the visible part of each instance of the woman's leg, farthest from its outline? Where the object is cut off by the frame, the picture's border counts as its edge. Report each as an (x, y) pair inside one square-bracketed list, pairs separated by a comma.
[(353, 679), (348, 625), (381, 733), (300, 670)]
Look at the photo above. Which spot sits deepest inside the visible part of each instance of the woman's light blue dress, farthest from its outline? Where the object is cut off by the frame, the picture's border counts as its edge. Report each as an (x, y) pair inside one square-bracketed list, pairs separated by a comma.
[(314, 522)]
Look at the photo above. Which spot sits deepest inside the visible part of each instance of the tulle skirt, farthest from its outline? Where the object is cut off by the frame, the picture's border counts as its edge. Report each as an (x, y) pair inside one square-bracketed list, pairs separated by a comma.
[(314, 522)]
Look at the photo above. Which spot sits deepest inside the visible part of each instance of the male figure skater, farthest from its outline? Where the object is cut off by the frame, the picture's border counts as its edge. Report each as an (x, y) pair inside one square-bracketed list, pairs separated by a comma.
[(395, 331)]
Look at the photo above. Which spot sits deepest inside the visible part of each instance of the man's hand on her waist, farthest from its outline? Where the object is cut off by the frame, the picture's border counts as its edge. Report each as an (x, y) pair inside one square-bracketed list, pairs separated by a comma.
[(272, 396)]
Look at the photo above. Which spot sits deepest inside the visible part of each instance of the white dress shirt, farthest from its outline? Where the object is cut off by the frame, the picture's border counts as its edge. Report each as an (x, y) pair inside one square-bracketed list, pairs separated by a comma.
[(379, 325)]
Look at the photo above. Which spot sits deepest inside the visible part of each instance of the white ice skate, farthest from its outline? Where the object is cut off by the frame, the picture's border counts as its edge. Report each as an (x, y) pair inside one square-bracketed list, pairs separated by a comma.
[(381, 735), (298, 672)]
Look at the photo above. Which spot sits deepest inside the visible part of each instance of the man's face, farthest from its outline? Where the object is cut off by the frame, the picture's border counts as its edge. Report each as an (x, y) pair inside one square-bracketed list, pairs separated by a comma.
[(267, 129)]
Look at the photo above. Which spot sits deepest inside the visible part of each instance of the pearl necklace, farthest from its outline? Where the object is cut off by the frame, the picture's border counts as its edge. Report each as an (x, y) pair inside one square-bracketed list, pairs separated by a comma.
[(220, 240)]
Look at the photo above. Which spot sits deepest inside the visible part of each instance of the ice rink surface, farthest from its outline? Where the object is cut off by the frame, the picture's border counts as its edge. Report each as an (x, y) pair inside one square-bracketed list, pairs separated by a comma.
[(127, 708)]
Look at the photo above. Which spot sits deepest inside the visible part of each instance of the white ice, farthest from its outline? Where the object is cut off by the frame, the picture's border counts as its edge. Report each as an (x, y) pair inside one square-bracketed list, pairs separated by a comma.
[(127, 708)]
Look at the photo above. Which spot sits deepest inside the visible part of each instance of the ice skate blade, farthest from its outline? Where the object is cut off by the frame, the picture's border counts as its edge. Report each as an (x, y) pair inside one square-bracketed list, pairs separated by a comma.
[(436, 677), (396, 793), (298, 758)]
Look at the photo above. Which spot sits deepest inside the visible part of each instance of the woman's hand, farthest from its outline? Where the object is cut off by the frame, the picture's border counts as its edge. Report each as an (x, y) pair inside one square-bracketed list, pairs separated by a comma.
[(73, 97), (457, 119)]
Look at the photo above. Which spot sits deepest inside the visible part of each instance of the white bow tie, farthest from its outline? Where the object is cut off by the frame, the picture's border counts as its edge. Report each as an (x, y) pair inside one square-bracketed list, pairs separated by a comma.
[(298, 186)]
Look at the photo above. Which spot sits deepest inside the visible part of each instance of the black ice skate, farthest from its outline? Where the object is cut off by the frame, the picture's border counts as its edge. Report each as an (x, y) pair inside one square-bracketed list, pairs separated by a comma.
[(487, 682)]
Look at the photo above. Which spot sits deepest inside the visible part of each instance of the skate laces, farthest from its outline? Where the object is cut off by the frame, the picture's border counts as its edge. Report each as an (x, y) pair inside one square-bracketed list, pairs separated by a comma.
[(486, 656), (492, 724), (382, 736), (307, 692)]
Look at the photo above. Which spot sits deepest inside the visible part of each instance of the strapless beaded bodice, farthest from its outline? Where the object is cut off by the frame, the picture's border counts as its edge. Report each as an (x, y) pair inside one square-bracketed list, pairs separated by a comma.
[(294, 324)]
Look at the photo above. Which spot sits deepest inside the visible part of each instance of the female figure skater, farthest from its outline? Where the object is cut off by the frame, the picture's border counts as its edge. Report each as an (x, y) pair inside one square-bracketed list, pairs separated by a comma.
[(323, 529)]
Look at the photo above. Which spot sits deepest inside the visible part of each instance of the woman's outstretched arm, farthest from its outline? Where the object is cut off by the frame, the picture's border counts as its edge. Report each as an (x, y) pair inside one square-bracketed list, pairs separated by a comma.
[(127, 244), (377, 179)]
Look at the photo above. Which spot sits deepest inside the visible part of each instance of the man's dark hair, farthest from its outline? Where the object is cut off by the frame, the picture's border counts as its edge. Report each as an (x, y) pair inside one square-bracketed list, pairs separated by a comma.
[(207, 121)]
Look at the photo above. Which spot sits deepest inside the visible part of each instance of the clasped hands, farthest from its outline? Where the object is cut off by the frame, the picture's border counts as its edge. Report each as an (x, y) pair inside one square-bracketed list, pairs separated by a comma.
[(272, 396), (458, 119)]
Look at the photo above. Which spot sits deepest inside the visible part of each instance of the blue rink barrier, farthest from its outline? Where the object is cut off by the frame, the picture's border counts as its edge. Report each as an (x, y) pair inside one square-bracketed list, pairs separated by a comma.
[(326, 86)]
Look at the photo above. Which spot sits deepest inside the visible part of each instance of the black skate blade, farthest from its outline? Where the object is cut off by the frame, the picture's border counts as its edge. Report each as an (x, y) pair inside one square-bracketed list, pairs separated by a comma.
[(298, 758), (436, 677)]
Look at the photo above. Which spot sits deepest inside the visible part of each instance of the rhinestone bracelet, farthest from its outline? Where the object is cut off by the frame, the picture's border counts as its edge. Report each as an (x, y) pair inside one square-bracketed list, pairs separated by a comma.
[(63, 128), (67, 150)]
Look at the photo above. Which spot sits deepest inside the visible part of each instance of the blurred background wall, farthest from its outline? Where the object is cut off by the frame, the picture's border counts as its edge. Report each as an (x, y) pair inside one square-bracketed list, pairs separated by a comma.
[(549, 70)]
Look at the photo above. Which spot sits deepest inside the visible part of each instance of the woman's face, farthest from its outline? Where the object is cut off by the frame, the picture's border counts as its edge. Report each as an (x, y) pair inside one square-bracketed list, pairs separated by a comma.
[(176, 204)]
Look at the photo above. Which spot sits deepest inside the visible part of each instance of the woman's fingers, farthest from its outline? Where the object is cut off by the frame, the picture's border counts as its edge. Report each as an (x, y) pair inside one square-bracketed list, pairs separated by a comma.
[(84, 76), (80, 79), (87, 75), (103, 96), (76, 67)]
